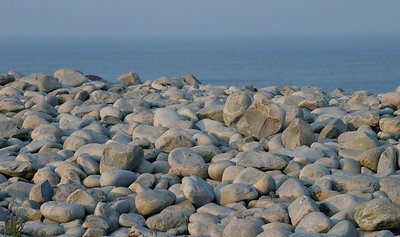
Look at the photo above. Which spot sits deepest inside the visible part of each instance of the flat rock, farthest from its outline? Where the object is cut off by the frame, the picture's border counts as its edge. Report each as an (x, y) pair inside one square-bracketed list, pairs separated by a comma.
[(261, 160), (314, 222)]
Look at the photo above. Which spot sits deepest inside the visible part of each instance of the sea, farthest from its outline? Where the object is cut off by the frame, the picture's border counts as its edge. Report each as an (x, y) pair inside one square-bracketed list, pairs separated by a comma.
[(352, 63)]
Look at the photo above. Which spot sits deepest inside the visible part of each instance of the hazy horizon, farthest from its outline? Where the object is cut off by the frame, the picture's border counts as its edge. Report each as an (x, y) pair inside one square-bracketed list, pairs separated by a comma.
[(200, 19)]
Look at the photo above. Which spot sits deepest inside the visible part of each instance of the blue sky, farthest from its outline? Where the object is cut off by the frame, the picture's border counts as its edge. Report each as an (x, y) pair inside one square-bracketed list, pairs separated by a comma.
[(202, 18)]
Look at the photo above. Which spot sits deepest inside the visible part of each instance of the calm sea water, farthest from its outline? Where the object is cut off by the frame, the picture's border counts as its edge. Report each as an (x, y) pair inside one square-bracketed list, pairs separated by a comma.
[(355, 63)]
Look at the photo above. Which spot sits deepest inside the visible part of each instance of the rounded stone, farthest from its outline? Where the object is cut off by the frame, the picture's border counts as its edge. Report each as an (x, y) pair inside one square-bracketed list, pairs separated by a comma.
[(62, 212)]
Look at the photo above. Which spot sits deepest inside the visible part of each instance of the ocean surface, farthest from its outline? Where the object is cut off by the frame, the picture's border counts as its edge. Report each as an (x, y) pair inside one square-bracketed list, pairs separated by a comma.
[(352, 63)]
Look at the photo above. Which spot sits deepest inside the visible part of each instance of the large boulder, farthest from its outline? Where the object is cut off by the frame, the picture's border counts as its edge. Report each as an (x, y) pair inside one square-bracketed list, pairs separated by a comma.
[(262, 118)]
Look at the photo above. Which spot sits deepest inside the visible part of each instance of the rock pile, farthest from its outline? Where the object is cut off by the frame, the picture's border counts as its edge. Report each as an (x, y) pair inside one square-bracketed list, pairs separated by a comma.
[(81, 156)]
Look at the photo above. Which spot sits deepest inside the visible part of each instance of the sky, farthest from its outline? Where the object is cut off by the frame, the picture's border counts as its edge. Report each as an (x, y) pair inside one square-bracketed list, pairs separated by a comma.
[(201, 18)]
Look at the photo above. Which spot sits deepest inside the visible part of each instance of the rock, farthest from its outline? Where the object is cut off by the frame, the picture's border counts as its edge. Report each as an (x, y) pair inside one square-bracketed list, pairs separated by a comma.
[(70, 77), (121, 156), (47, 132), (292, 189), (214, 112), (9, 129), (235, 106), (232, 193), (10, 104), (83, 198), (340, 202), (129, 79), (388, 161), (148, 132), (333, 129), (300, 207), (42, 192), (5, 79), (216, 129), (262, 118), (344, 228), (173, 219), (298, 133), (106, 213), (261, 160), (390, 125), (172, 139), (314, 222), (358, 140), (117, 177), (185, 162), (62, 212), (12, 167), (391, 98), (312, 173), (261, 181), (36, 228), (169, 118), (216, 169), (150, 202), (365, 117), (370, 158), (131, 219), (391, 186), (377, 214), (242, 228), (197, 191)]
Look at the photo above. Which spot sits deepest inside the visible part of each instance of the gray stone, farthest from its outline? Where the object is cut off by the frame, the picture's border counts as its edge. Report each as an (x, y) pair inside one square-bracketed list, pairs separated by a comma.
[(388, 161), (390, 125), (216, 129), (117, 177), (300, 207), (11, 104), (242, 228), (312, 173), (344, 228), (377, 214), (129, 79), (391, 187), (131, 219), (340, 202), (121, 156), (292, 189), (235, 106), (314, 222), (36, 228), (69, 77), (216, 169), (169, 118), (232, 193), (172, 139), (83, 198), (62, 212), (185, 162), (261, 160), (42, 192), (261, 181), (150, 202), (333, 129), (298, 133), (262, 118), (148, 132), (173, 219), (197, 191)]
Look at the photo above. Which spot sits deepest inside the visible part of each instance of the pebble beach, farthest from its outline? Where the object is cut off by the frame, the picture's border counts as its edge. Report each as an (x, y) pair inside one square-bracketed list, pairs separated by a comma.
[(82, 156)]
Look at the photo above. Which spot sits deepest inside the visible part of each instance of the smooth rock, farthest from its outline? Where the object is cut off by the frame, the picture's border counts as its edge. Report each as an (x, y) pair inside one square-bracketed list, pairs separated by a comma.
[(197, 191), (62, 212)]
